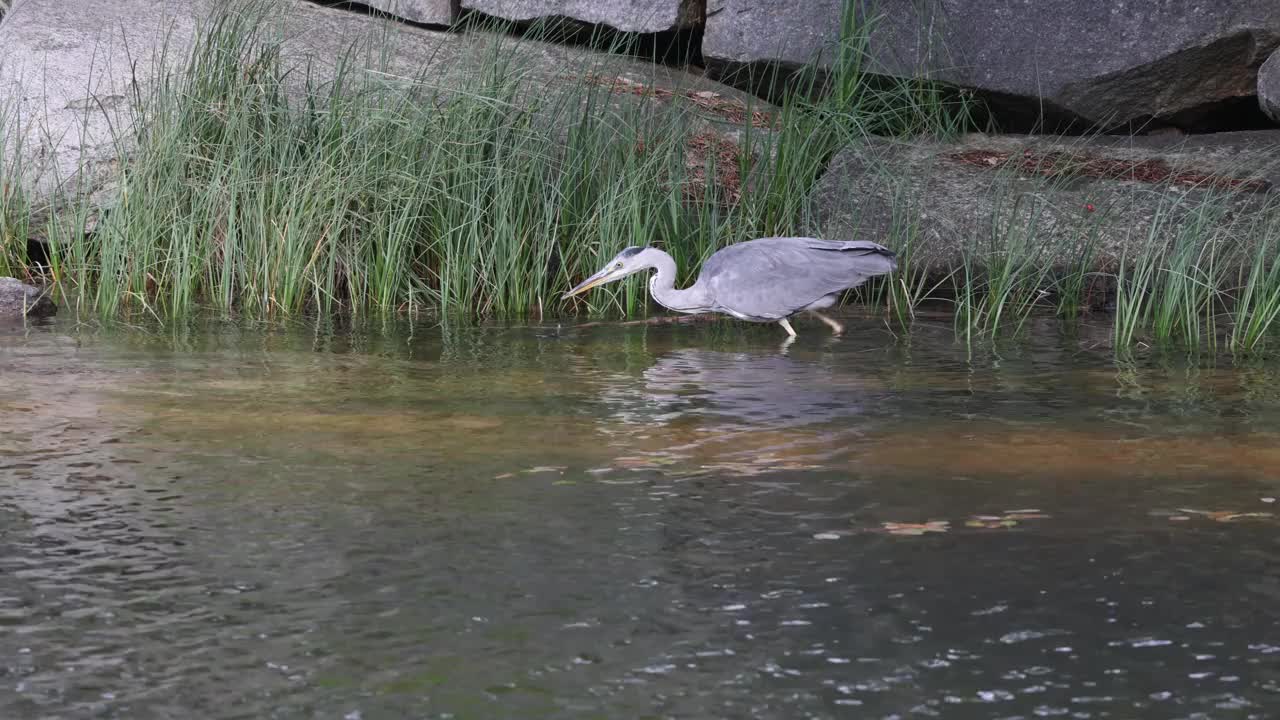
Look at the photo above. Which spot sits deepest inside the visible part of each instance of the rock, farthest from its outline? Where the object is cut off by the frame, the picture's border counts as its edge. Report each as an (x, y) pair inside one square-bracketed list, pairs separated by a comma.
[(1088, 62), (427, 12), (743, 32), (1269, 86), (55, 49), (68, 65), (645, 16), (19, 300), (943, 200)]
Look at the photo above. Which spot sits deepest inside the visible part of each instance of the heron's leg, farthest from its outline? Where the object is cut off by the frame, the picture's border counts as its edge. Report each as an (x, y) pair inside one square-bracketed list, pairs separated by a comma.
[(786, 325), (836, 327)]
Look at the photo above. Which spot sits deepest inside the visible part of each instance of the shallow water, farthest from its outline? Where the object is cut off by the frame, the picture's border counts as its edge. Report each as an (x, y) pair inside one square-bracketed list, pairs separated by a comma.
[(541, 522)]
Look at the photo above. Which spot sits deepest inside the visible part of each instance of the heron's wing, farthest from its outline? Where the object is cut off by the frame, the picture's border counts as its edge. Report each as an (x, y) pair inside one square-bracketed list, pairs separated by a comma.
[(772, 278)]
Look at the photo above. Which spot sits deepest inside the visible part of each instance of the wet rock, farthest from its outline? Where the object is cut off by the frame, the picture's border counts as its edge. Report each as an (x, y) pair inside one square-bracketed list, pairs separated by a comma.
[(427, 12), (1269, 87), (978, 194), (1090, 62), (19, 300), (646, 16)]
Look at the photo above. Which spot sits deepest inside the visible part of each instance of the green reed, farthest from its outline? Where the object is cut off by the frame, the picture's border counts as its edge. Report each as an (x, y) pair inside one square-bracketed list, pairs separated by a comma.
[(1200, 275), (1257, 299), (15, 210)]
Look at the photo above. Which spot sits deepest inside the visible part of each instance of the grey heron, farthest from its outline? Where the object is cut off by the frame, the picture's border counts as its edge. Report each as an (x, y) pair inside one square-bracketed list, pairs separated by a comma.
[(765, 280)]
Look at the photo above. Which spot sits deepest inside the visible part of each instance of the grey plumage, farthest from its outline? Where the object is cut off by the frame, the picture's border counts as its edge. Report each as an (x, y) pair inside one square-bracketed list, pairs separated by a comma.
[(765, 280)]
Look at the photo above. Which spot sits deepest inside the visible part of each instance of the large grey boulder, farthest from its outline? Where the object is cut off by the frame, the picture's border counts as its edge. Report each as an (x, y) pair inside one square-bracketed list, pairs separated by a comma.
[(19, 300), (977, 196), (744, 32), (645, 16), (66, 79), (1096, 61), (1269, 86), (428, 12), (71, 65)]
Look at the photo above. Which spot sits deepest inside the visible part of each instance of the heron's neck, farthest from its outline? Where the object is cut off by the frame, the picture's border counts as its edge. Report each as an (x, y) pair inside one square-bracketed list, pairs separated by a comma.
[(662, 286)]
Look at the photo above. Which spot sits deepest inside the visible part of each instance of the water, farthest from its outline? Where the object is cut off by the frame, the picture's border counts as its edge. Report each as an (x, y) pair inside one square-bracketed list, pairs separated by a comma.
[(664, 522)]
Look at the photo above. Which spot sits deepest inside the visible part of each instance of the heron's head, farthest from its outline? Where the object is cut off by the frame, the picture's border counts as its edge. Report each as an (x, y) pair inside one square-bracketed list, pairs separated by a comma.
[(628, 262)]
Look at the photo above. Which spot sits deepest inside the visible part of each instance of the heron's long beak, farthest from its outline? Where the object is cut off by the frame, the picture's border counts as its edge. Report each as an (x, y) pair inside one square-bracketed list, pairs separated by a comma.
[(604, 276)]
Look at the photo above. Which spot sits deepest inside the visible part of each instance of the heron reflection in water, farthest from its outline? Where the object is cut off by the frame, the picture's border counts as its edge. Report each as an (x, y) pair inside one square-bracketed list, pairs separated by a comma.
[(754, 391), (744, 412), (765, 280)]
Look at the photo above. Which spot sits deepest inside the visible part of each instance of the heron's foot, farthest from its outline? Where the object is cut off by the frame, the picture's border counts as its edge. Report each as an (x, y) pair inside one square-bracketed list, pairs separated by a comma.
[(836, 327), (786, 325)]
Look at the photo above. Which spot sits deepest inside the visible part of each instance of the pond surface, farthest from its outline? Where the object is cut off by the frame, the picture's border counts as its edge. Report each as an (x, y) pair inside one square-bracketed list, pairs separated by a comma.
[(629, 522)]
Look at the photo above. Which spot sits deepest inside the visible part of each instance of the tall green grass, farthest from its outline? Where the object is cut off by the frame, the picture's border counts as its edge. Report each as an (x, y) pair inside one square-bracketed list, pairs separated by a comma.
[(263, 188), (15, 209), (1202, 275)]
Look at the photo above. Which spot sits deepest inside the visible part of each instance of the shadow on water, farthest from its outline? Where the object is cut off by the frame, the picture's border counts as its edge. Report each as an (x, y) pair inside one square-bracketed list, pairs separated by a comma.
[(380, 522)]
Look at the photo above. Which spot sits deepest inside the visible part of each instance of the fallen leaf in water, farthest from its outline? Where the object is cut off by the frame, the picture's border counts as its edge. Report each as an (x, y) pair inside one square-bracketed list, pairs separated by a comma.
[(936, 526), (629, 461), (1008, 520), (1225, 515), (990, 523), (504, 476), (1232, 517), (826, 536), (645, 463), (544, 469), (1268, 499)]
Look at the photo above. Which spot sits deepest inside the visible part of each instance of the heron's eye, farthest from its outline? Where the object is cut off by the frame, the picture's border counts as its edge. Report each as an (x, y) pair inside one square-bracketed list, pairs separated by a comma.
[(618, 266)]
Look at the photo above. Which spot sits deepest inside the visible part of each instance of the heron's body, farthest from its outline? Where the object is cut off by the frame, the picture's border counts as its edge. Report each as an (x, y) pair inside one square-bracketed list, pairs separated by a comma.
[(765, 280)]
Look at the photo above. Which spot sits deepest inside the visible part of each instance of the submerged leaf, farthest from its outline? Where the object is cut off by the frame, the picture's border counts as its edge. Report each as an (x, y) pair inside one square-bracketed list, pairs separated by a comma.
[(1008, 520), (935, 526), (1225, 515), (990, 523)]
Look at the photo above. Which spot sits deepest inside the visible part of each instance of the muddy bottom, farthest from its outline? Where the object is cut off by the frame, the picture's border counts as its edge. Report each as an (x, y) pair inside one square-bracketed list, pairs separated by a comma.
[(670, 521)]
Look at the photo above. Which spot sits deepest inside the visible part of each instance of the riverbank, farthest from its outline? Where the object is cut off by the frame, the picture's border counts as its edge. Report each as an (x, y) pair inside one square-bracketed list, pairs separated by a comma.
[(316, 161)]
